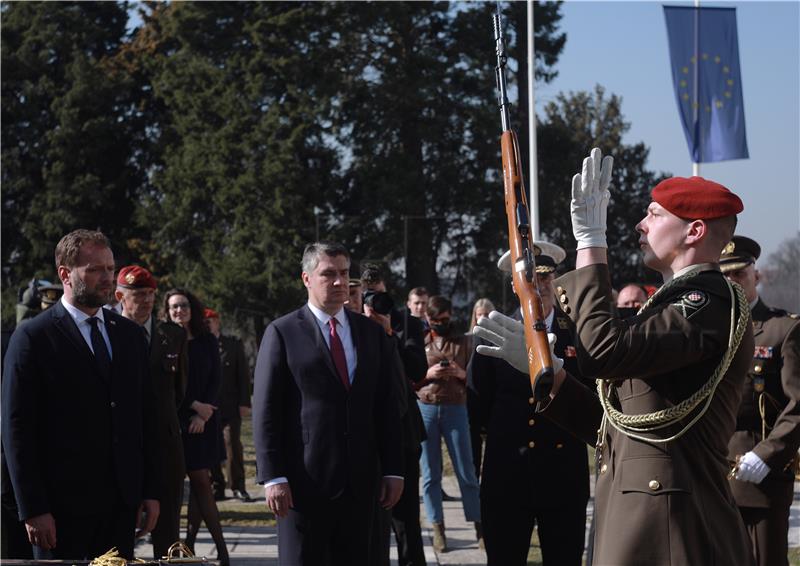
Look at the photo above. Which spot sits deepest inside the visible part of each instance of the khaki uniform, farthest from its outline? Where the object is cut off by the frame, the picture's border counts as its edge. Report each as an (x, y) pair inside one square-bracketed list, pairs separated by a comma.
[(773, 381), (658, 503), (168, 368)]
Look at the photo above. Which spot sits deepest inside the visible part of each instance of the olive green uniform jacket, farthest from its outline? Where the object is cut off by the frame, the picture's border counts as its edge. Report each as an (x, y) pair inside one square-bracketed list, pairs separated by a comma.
[(658, 503)]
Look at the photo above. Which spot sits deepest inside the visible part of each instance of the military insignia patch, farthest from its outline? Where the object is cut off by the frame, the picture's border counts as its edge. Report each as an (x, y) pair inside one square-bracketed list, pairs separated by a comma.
[(563, 323), (570, 352), (691, 303), (763, 352)]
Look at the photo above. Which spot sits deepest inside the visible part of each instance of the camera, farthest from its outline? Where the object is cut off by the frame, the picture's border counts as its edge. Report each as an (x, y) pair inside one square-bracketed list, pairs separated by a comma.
[(378, 301), (444, 363)]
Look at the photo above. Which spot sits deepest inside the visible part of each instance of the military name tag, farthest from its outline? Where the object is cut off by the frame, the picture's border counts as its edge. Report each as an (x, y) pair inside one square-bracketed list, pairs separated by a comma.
[(763, 352), (691, 303)]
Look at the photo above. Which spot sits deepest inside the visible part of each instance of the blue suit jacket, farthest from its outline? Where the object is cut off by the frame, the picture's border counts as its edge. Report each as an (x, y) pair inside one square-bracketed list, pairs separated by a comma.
[(73, 439), (308, 428)]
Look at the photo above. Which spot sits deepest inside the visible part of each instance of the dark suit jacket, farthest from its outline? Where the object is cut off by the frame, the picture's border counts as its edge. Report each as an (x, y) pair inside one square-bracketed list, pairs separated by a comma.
[(529, 460), (308, 428), (410, 337), (71, 437)]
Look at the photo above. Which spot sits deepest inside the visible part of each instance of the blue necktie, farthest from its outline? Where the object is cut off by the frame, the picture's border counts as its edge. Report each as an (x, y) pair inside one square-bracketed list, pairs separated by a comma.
[(101, 355)]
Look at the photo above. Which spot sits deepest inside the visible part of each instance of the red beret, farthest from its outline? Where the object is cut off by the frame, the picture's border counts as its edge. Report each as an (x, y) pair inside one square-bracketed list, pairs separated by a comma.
[(696, 198), (210, 313), (133, 277)]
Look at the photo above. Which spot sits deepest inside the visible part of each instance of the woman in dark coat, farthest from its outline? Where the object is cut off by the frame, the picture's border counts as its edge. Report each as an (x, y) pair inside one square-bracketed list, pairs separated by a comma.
[(198, 417)]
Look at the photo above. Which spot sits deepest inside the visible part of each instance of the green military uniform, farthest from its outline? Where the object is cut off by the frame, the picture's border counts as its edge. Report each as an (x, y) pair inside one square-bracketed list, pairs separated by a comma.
[(659, 503), (768, 422), (168, 367)]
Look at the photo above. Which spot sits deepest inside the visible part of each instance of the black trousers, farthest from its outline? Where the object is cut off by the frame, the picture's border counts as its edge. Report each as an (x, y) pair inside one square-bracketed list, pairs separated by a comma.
[(508, 526), (167, 529), (87, 537), (331, 533), (405, 516), (13, 535), (769, 533)]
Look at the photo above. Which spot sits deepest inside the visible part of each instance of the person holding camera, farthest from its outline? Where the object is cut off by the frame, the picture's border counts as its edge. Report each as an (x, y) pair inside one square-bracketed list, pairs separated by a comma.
[(443, 404), (408, 335)]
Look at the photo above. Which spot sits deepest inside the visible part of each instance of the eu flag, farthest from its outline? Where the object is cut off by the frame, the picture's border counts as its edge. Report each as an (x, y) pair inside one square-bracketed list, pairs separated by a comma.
[(704, 50)]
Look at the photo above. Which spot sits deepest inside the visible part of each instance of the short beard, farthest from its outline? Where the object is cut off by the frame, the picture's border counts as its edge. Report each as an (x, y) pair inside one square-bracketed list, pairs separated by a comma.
[(90, 299)]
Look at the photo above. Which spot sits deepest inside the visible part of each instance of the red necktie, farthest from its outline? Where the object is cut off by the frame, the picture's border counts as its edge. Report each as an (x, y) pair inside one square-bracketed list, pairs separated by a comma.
[(337, 351)]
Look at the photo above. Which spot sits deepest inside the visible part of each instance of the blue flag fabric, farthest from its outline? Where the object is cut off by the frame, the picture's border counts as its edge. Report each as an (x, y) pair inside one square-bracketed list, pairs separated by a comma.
[(704, 50)]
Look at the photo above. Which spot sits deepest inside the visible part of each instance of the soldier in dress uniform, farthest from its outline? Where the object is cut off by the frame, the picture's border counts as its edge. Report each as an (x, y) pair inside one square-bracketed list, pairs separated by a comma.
[(670, 379), (136, 289), (534, 472), (764, 446), (234, 405)]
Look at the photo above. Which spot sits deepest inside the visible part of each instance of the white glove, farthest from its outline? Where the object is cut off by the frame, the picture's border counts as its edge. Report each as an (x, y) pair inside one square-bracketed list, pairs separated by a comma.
[(590, 201), (508, 335), (752, 468)]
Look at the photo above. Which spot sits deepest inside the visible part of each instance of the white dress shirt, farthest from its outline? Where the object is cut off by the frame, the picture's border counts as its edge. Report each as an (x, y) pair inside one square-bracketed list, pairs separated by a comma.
[(81, 321)]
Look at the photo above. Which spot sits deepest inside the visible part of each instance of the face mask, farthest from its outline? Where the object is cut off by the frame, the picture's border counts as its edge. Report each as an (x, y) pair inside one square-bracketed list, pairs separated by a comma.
[(441, 329), (627, 312)]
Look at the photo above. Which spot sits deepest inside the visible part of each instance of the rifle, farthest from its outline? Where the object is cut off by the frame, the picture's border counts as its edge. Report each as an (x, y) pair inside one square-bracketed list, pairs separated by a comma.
[(523, 266)]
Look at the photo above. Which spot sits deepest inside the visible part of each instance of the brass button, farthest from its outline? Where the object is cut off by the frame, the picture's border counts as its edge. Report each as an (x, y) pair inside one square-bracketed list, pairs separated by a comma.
[(564, 299), (531, 422), (113, 404), (567, 310), (654, 485), (531, 401), (758, 369), (531, 444), (559, 446), (603, 468)]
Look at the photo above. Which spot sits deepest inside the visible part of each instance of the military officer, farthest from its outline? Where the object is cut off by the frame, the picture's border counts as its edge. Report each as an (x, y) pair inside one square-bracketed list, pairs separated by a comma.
[(670, 379), (534, 472), (768, 424), (234, 404), (136, 288)]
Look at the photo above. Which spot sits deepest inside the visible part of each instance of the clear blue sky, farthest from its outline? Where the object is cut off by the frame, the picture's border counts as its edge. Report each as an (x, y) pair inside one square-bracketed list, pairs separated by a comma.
[(623, 46)]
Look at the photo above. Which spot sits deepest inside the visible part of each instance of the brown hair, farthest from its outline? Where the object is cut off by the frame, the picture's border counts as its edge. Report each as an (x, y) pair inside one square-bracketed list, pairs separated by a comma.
[(196, 324), (418, 291), (69, 247), (438, 305)]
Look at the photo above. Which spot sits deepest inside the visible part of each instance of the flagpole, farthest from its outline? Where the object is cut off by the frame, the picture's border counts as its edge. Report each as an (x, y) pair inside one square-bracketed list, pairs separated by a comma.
[(533, 201), (696, 107)]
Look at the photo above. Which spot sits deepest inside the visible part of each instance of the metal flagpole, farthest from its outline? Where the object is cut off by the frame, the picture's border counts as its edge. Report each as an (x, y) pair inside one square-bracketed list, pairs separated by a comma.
[(533, 202), (696, 102)]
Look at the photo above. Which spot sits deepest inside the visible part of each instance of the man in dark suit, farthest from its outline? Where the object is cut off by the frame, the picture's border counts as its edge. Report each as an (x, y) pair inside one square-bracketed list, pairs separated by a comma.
[(534, 472), (78, 415), (136, 291), (326, 428), (768, 423), (234, 405)]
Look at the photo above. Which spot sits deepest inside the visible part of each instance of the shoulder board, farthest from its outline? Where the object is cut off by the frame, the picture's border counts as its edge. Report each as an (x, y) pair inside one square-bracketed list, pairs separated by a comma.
[(691, 302)]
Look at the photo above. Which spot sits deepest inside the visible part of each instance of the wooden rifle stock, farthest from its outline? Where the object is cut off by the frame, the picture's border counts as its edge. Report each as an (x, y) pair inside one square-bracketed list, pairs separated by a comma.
[(523, 269)]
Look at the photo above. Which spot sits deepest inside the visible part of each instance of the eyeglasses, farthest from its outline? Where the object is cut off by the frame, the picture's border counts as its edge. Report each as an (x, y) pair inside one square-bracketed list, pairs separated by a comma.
[(176, 306)]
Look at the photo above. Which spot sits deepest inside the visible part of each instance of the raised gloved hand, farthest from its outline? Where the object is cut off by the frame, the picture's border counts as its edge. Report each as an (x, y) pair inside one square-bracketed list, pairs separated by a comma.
[(590, 198), (752, 468), (508, 337)]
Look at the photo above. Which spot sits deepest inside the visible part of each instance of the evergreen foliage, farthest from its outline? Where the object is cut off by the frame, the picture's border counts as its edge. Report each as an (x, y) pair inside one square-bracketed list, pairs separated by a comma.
[(218, 138)]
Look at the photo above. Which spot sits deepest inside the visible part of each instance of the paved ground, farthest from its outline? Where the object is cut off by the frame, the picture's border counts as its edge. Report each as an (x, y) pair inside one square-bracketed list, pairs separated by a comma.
[(250, 546)]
